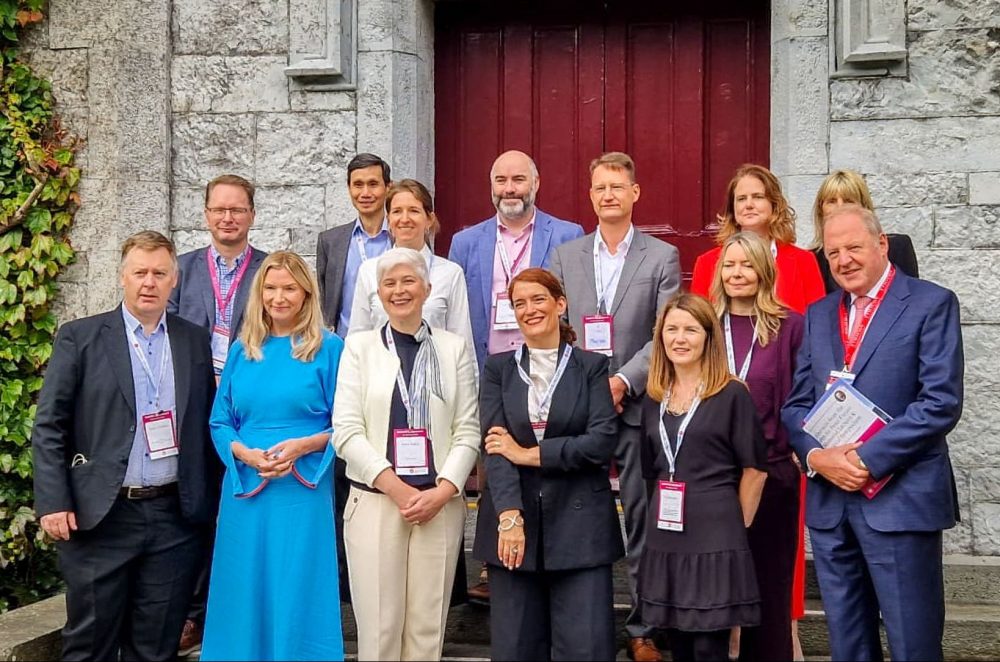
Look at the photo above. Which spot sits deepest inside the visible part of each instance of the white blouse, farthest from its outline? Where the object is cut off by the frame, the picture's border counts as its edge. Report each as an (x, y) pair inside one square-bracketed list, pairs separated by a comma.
[(447, 307)]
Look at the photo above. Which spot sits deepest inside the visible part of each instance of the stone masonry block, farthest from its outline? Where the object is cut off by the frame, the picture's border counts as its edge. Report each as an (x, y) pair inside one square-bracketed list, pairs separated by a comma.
[(387, 25), (292, 207), (392, 102), (984, 188), (963, 226), (304, 148), (104, 291), (67, 69), (322, 100), (968, 273), (70, 302), (125, 25), (799, 106), (958, 144), (982, 358), (187, 208), (339, 209), (959, 539), (799, 18), (237, 84), (938, 14), (918, 189), (143, 206), (205, 146), (800, 191), (189, 240), (986, 528), (975, 442), (985, 485), (952, 72), (917, 222), (270, 239), (229, 27), (96, 215)]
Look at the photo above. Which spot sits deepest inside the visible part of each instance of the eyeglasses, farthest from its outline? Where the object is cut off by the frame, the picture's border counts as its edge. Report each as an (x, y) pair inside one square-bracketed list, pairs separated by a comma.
[(616, 189), (220, 212)]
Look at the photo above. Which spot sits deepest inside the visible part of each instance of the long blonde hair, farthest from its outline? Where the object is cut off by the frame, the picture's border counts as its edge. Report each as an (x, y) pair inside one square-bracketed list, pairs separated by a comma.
[(767, 308), (714, 369), (307, 335), (847, 185), (781, 225)]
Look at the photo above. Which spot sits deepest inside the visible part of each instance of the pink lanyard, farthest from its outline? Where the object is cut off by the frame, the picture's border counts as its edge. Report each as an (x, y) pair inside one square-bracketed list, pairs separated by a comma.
[(217, 290)]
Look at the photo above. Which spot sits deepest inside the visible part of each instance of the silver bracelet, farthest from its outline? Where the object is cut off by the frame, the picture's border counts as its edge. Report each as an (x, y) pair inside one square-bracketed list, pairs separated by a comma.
[(509, 522)]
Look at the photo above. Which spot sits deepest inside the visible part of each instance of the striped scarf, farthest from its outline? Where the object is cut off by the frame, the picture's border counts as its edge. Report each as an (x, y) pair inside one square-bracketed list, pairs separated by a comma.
[(426, 371)]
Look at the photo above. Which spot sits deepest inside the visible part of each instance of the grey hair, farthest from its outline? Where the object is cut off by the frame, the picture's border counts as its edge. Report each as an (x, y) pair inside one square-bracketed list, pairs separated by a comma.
[(400, 256), (867, 216)]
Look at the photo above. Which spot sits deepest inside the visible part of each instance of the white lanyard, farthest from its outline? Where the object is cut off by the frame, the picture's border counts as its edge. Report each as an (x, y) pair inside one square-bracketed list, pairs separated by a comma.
[(544, 400), (730, 356), (360, 242), (164, 357), (404, 392), (665, 440), (509, 267), (603, 304)]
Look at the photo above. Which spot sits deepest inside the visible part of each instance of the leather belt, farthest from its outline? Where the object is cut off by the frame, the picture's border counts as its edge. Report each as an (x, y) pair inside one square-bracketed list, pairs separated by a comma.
[(134, 493)]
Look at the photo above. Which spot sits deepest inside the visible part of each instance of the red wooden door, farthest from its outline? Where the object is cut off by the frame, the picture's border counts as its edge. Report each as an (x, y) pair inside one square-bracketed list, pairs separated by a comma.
[(681, 87)]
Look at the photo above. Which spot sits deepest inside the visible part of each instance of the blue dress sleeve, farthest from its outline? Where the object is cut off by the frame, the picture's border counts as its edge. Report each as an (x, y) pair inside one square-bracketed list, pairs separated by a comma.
[(310, 468), (225, 425)]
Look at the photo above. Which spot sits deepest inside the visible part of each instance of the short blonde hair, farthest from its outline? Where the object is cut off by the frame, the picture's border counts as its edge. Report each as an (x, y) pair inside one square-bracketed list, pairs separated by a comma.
[(148, 240), (307, 334), (714, 368), (781, 225), (231, 180), (615, 161), (768, 309), (847, 185)]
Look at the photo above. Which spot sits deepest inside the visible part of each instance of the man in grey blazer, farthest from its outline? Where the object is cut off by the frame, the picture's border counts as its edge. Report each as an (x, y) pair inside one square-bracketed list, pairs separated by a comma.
[(341, 250), (616, 279), (213, 285)]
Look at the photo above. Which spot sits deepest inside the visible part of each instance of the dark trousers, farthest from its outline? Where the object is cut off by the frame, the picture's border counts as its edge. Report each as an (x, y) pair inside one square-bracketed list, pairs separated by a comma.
[(632, 490), (773, 538), (199, 599), (552, 615), (863, 572), (341, 488), (708, 646), (129, 582)]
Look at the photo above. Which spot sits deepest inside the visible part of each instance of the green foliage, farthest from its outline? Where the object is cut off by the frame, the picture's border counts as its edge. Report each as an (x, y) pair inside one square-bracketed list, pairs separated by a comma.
[(37, 202)]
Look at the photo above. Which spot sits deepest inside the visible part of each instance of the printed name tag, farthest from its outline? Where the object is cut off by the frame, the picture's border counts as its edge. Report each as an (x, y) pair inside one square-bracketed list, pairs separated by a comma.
[(839, 374), (161, 435), (598, 333), (410, 452), (220, 348), (671, 514), (503, 313), (538, 427)]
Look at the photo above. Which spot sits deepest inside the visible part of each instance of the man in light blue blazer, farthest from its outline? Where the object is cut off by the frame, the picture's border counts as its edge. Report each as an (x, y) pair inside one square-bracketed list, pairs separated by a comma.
[(899, 339), (527, 238)]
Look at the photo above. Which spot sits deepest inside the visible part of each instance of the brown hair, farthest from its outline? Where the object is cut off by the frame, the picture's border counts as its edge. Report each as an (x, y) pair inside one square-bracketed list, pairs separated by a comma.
[(548, 280), (231, 180), (847, 185), (767, 308), (615, 161), (149, 240), (423, 196), (714, 369), (781, 225)]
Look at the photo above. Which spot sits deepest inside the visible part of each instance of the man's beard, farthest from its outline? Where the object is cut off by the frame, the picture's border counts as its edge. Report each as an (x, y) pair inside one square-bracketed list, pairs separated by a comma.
[(514, 207)]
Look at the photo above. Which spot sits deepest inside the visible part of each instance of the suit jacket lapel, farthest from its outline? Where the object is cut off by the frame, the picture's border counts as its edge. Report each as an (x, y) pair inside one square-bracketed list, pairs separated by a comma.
[(487, 250), (203, 275), (636, 254), (520, 423), (116, 346), (888, 312), (589, 278), (243, 291), (540, 239), (565, 398), (180, 358), (833, 323)]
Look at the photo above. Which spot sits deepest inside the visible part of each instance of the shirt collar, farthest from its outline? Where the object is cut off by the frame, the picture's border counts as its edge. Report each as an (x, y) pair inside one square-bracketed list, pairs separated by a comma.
[(877, 286), (133, 323), (527, 228), (625, 244), (359, 230), (221, 261)]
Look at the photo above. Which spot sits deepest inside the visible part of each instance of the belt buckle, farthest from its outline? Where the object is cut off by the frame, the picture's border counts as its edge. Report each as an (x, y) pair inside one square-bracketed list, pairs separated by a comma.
[(129, 492)]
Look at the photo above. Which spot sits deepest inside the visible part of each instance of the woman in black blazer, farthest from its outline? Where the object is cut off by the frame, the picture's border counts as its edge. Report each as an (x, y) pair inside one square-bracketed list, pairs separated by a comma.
[(547, 521)]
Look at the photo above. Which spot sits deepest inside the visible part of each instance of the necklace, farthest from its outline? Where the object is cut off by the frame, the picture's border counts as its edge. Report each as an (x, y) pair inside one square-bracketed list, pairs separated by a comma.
[(679, 404)]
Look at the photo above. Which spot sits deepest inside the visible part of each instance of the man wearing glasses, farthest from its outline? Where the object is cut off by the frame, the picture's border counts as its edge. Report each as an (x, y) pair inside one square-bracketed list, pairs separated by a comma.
[(212, 291)]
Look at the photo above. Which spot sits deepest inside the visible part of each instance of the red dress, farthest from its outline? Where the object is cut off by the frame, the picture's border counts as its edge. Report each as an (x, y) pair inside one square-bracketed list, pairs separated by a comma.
[(799, 284)]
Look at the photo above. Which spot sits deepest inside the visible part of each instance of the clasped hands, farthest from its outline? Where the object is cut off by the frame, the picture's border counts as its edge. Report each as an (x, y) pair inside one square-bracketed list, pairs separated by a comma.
[(274, 462), (841, 466)]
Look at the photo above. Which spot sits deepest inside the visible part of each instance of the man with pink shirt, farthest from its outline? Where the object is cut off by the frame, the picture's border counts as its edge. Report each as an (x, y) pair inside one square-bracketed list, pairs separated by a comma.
[(491, 252)]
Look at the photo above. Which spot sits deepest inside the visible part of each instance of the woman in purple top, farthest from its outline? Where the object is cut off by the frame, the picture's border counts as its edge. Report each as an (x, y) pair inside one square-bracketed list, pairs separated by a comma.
[(762, 338)]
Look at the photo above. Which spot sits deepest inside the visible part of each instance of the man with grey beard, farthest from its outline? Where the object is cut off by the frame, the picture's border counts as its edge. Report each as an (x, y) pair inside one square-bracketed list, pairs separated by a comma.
[(493, 251)]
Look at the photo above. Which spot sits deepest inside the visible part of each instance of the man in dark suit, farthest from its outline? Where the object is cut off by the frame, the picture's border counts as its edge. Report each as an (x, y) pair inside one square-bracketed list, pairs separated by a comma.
[(212, 290), (341, 250), (899, 341), (616, 280), (126, 478)]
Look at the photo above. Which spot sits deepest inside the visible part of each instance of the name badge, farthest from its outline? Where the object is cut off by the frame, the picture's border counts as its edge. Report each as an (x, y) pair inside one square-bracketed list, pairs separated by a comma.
[(161, 435), (220, 348), (410, 452), (839, 374), (670, 517), (538, 427), (503, 313), (599, 333)]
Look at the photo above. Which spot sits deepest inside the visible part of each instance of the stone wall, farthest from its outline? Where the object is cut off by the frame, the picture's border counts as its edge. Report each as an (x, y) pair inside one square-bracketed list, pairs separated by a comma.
[(929, 143)]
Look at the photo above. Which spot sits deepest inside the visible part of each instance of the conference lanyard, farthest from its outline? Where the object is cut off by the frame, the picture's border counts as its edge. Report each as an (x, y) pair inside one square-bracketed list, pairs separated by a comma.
[(665, 440), (544, 399), (603, 287), (730, 356), (164, 357), (213, 271), (510, 268), (852, 340), (404, 392)]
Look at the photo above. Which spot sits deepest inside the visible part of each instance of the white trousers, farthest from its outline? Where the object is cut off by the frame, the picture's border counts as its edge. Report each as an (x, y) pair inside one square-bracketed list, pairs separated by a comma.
[(401, 576)]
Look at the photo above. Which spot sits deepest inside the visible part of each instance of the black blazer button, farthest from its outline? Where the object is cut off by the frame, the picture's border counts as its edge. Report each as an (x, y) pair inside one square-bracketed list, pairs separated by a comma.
[(577, 504)]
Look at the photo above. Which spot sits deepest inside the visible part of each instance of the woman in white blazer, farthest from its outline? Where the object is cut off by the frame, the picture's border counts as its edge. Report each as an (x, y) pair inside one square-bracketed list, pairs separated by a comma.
[(406, 421)]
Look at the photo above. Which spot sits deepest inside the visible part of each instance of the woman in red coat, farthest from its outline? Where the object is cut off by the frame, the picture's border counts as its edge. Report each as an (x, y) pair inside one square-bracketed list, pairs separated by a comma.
[(755, 203)]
